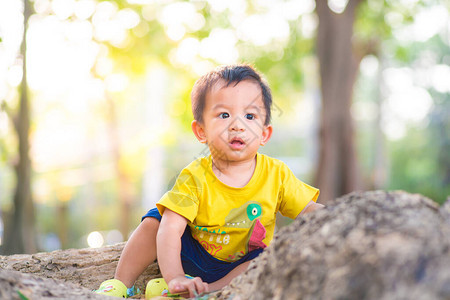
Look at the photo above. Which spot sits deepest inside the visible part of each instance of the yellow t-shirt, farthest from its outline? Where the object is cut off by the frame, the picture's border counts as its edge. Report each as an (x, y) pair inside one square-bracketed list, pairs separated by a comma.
[(229, 222)]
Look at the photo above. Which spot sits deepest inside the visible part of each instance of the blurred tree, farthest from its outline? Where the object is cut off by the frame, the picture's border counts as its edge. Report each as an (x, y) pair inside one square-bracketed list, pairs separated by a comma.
[(20, 235), (338, 171), (346, 34), (124, 194)]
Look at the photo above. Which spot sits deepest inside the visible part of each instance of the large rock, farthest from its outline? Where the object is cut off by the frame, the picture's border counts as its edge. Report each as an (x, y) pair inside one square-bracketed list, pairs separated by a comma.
[(63, 274), (19, 286), (373, 245)]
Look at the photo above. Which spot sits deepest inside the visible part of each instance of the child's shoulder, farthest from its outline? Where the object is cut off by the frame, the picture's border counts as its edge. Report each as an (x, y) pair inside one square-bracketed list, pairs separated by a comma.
[(197, 167), (271, 162)]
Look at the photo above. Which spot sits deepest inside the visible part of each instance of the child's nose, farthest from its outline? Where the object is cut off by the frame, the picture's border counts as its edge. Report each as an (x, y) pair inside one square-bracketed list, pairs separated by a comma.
[(237, 125)]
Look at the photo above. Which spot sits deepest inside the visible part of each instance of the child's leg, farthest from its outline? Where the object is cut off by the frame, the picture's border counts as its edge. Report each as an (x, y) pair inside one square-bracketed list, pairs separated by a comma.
[(217, 285), (138, 253)]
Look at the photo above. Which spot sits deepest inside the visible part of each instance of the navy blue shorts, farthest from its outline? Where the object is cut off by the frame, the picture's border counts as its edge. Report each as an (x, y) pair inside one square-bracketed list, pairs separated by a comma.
[(197, 261)]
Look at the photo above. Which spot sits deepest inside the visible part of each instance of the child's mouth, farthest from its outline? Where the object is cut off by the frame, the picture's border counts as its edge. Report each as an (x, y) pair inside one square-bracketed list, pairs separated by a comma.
[(237, 143)]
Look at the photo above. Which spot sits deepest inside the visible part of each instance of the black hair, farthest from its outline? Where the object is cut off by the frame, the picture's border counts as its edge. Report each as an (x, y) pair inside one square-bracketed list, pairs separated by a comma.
[(231, 74)]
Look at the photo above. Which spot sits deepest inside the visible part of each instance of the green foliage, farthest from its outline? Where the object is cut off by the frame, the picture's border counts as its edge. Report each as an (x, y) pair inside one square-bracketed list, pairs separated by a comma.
[(288, 66), (420, 170)]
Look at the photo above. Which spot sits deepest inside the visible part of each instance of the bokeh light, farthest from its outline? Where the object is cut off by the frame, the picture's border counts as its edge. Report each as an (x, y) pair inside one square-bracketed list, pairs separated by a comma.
[(95, 239)]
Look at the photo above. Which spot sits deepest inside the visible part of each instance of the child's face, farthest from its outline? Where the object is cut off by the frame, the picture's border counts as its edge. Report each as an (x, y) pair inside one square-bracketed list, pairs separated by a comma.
[(233, 122)]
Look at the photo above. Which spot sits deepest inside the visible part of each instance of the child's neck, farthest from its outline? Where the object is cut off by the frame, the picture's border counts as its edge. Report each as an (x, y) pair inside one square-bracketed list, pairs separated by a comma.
[(234, 174)]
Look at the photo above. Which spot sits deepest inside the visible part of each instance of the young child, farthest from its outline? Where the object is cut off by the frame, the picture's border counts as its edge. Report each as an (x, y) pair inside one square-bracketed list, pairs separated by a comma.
[(221, 212)]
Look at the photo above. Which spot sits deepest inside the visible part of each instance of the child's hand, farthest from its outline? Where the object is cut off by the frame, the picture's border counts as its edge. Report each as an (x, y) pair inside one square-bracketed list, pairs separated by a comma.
[(183, 285)]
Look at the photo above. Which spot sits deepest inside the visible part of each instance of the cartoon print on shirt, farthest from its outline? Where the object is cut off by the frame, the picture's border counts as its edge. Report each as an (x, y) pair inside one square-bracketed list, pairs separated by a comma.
[(247, 216), (242, 217)]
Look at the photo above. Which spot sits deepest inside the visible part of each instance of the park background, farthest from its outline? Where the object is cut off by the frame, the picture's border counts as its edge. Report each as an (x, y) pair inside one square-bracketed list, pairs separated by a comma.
[(95, 108)]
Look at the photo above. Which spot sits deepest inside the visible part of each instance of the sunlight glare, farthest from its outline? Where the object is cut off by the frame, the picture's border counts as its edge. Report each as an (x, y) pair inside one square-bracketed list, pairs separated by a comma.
[(398, 79), (179, 16), (337, 6), (393, 129), (157, 82), (202, 67), (108, 26), (407, 3), (63, 9), (84, 9), (54, 49), (219, 6), (11, 28), (196, 22), (95, 239), (145, 2), (220, 46), (14, 76), (104, 11), (292, 10), (394, 19), (369, 65), (187, 51), (429, 22), (42, 6), (263, 29), (441, 78), (309, 23), (79, 31), (175, 32), (406, 103), (128, 18), (411, 105), (116, 82), (104, 66), (57, 139)]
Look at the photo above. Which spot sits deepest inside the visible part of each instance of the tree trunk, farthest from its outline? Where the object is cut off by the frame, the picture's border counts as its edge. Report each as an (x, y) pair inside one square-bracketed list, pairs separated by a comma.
[(20, 234), (62, 216), (338, 171)]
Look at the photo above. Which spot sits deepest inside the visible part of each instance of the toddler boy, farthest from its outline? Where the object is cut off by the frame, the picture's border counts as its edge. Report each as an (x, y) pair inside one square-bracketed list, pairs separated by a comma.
[(221, 212)]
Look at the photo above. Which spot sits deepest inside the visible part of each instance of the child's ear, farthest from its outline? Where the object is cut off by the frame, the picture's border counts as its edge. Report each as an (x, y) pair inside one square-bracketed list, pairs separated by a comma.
[(199, 131), (266, 134)]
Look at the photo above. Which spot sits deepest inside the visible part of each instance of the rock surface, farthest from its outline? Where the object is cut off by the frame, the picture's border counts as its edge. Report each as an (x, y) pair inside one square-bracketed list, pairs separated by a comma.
[(372, 245), (83, 268), (15, 285)]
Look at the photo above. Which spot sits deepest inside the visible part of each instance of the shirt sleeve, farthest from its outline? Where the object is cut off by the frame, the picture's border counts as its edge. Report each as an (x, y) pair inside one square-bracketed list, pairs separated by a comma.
[(182, 198), (295, 194)]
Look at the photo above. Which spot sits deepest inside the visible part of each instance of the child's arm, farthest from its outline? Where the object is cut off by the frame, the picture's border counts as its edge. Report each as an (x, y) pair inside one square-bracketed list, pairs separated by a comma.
[(311, 206), (168, 252)]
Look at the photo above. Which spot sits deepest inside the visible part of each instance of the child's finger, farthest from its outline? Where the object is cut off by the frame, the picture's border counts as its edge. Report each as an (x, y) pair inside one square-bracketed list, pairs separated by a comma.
[(178, 288), (200, 286), (187, 288)]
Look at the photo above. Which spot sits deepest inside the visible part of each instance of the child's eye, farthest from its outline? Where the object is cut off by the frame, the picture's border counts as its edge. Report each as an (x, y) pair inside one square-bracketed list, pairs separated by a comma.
[(224, 115), (250, 116)]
